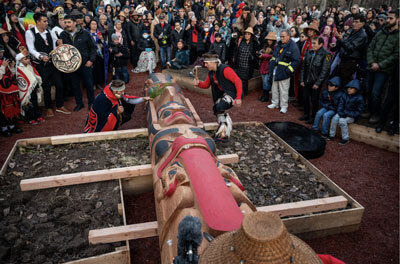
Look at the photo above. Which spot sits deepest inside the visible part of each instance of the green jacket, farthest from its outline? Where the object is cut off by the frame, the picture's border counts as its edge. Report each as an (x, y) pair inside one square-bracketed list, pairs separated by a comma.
[(384, 50)]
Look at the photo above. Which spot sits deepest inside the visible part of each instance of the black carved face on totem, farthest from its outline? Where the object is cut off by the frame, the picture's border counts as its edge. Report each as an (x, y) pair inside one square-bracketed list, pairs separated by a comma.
[(173, 113)]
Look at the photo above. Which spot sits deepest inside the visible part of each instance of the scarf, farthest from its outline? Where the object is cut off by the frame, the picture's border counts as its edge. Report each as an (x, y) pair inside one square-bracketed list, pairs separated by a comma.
[(119, 33)]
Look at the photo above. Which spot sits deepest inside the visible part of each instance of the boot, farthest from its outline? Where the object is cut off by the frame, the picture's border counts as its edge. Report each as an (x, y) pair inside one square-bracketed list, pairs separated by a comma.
[(264, 97)]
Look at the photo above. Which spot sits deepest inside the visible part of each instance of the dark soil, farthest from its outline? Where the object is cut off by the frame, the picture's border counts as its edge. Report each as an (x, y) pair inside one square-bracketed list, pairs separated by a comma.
[(268, 172), (368, 174), (52, 226)]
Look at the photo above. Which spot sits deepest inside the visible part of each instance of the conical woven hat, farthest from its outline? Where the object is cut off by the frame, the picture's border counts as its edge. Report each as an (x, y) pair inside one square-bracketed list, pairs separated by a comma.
[(271, 36), (262, 239), (314, 25)]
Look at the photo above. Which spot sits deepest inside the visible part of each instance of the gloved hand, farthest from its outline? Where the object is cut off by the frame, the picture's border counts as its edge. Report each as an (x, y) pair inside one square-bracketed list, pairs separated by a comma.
[(148, 49)]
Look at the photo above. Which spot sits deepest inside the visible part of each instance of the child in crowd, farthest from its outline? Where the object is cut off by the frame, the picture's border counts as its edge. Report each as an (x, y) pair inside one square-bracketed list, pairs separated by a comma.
[(9, 100), (120, 61), (182, 57), (350, 107), (29, 83), (219, 48), (265, 56), (329, 102)]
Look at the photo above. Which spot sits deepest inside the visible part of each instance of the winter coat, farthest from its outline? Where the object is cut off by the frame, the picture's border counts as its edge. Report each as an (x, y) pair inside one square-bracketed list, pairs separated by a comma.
[(384, 50), (285, 62), (351, 105), (220, 49), (145, 43), (315, 67), (176, 36), (264, 64), (136, 31), (123, 60), (182, 57), (353, 46), (253, 59), (166, 31), (330, 100), (226, 35), (83, 41), (200, 46)]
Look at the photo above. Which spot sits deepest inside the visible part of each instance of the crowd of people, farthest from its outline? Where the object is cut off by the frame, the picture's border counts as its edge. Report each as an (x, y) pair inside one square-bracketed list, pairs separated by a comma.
[(336, 64)]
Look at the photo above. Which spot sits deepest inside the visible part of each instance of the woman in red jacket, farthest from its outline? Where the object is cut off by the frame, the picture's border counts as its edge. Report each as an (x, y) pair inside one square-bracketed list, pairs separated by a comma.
[(265, 57)]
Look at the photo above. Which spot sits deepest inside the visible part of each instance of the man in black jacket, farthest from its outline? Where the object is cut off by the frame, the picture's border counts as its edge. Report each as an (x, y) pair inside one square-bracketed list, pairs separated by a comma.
[(135, 33), (79, 38), (314, 71), (351, 48), (162, 32)]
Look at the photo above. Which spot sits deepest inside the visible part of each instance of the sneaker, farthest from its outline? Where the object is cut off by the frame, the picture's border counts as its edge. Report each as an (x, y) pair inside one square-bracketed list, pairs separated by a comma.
[(344, 141), (63, 110), (40, 120), (379, 129), (329, 138), (283, 110), (33, 122), (50, 113), (272, 106), (325, 136)]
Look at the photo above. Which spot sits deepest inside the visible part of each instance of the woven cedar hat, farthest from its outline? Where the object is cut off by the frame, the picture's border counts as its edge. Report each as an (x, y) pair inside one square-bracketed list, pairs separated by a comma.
[(314, 25), (271, 36), (69, 2), (262, 239), (17, 2), (249, 30), (122, 14), (2, 31)]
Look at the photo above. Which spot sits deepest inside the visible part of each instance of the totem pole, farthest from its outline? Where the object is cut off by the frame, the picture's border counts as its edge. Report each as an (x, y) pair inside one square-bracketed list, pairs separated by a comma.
[(188, 179)]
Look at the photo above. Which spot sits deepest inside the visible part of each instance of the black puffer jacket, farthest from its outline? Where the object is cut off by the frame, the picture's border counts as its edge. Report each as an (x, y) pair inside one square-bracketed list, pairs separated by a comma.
[(353, 46), (220, 49), (83, 42), (145, 43), (315, 68)]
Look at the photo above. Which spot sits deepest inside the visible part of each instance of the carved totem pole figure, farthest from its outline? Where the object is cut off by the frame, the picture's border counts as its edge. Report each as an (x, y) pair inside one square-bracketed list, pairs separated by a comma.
[(188, 179)]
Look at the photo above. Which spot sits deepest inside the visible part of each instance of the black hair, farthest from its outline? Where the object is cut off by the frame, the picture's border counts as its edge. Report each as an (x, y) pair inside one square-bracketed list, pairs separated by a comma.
[(360, 17), (38, 16), (70, 17), (395, 12), (297, 32), (319, 39)]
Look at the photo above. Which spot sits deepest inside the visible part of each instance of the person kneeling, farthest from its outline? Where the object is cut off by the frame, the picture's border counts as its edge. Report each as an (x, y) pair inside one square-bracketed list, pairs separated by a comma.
[(226, 88), (181, 60), (111, 108)]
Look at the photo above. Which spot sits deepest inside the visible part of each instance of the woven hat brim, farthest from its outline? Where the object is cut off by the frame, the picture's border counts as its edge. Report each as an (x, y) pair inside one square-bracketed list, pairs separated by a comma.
[(220, 251)]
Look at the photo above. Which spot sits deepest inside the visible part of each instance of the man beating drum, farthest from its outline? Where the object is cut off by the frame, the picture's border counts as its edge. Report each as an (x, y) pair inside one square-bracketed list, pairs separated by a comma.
[(226, 89)]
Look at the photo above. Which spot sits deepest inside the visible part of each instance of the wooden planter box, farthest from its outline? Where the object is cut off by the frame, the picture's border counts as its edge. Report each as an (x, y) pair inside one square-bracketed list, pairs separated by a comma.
[(308, 219)]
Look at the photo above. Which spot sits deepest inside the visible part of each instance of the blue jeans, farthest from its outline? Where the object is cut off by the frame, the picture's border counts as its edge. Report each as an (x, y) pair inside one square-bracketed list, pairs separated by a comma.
[(265, 82), (122, 74), (375, 83), (343, 126), (326, 119), (165, 52), (86, 75)]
